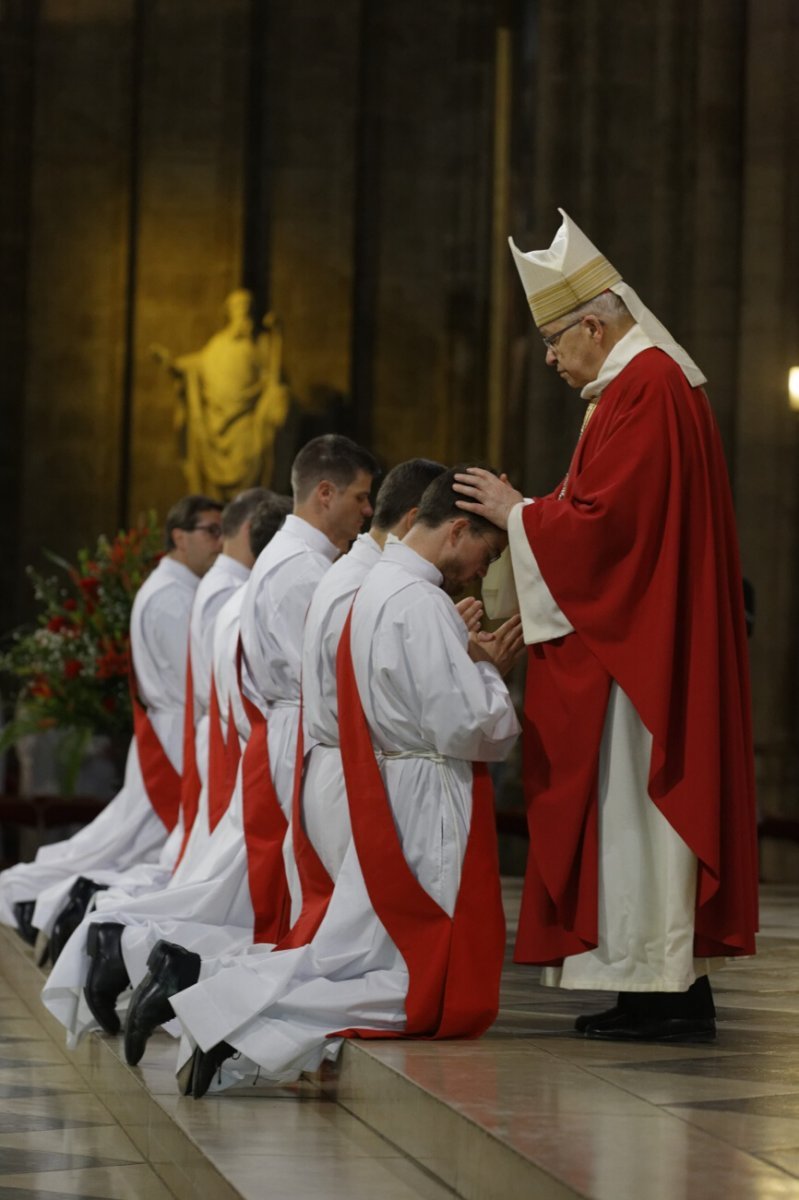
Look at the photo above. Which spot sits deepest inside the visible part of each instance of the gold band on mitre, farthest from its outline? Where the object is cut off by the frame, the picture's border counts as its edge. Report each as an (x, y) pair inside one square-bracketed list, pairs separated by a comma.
[(571, 291)]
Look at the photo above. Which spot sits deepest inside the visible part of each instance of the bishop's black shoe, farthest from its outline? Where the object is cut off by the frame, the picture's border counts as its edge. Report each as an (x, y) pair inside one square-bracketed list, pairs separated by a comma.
[(23, 914), (171, 969), (688, 1016), (657, 1029), (627, 1003), (206, 1066), (600, 1020), (72, 913), (107, 976)]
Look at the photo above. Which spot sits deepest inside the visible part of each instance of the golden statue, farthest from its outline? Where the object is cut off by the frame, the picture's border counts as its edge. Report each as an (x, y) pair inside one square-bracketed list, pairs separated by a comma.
[(231, 402)]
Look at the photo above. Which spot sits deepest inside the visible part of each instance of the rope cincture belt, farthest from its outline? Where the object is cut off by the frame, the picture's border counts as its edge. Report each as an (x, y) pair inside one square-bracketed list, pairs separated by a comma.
[(440, 760)]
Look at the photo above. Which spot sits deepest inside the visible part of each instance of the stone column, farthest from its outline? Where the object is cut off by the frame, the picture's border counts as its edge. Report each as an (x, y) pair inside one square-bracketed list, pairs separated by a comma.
[(17, 45), (77, 273), (432, 335), (767, 462), (311, 98)]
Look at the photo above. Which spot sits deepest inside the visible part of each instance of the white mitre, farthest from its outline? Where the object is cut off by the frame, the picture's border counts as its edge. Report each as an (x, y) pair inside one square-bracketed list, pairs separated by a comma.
[(572, 272)]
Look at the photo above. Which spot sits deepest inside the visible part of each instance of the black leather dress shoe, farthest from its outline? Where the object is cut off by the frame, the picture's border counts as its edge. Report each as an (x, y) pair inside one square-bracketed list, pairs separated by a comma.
[(171, 969), (107, 975), (206, 1066), (72, 913), (23, 914), (601, 1020), (628, 1004), (666, 1029)]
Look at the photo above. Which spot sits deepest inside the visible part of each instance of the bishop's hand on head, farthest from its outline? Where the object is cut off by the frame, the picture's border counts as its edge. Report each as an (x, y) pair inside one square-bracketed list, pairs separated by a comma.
[(486, 494)]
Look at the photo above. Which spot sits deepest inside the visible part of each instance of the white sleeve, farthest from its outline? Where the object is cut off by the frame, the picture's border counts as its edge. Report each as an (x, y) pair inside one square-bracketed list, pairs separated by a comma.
[(166, 632), (542, 620)]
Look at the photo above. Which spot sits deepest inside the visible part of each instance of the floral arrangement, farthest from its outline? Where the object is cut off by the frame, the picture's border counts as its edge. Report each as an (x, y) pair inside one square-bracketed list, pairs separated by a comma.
[(71, 671)]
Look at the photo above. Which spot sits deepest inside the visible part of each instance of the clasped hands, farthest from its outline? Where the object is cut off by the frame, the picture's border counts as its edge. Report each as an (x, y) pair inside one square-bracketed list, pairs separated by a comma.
[(503, 647)]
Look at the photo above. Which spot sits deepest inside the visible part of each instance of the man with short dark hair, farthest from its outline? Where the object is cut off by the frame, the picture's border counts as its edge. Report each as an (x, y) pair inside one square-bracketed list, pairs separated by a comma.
[(333, 477), (639, 776), (319, 831), (256, 516), (323, 801), (135, 824), (198, 530), (331, 482), (434, 703)]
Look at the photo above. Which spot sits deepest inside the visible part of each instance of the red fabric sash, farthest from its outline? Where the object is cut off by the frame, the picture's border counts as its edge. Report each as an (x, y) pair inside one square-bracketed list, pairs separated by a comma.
[(162, 782), (219, 783), (232, 754), (454, 963), (316, 884), (264, 830), (190, 782)]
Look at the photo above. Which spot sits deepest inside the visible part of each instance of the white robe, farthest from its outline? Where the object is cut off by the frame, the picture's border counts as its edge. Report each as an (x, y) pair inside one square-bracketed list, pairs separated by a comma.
[(647, 874), (128, 830), (209, 909), (219, 582), (227, 576), (432, 711), (285, 578), (325, 813)]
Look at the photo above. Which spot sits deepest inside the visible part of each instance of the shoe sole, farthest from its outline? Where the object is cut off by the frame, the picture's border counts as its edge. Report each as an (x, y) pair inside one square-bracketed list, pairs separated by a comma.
[(601, 1035)]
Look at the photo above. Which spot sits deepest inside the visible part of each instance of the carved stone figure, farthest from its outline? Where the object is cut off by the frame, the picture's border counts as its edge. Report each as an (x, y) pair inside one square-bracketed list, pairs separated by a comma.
[(231, 402)]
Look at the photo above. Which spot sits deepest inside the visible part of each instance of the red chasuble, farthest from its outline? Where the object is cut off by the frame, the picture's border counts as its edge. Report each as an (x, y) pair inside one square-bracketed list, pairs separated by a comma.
[(454, 963), (162, 782), (264, 830), (315, 883), (641, 556), (190, 785)]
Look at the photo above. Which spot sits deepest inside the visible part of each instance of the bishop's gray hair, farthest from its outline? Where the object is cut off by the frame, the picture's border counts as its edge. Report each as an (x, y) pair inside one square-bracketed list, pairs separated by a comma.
[(607, 306)]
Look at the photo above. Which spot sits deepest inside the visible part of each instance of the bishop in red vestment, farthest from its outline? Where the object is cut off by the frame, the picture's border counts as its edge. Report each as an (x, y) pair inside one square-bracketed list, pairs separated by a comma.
[(638, 749)]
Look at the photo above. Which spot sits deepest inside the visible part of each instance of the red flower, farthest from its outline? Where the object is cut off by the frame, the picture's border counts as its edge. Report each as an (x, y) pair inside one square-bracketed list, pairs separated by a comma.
[(70, 605), (56, 624), (41, 689), (111, 664), (72, 668), (90, 588)]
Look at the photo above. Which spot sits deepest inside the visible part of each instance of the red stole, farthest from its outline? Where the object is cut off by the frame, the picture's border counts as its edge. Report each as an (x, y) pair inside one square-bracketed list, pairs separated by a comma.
[(454, 963), (264, 830), (641, 555), (316, 884), (162, 782), (233, 753), (190, 785), (223, 759)]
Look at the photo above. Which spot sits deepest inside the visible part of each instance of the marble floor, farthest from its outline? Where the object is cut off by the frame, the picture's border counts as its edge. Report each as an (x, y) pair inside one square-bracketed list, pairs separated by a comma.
[(528, 1111)]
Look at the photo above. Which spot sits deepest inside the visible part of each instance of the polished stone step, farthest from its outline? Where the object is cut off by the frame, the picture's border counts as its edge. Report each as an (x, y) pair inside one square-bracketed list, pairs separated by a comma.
[(530, 1110)]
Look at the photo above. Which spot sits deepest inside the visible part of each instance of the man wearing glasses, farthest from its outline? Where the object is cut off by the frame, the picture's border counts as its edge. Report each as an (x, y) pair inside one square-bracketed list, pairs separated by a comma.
[(638, 772), (134, 825)]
